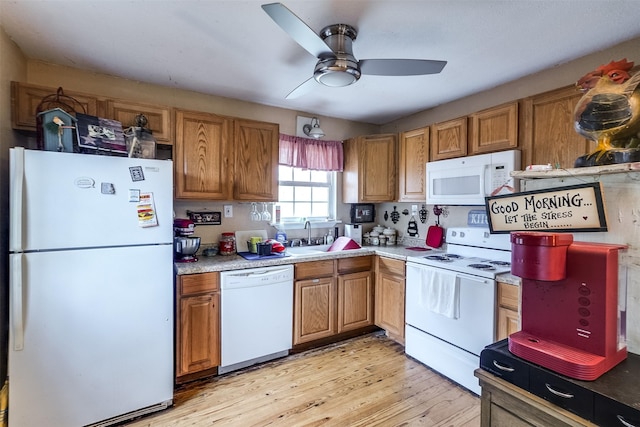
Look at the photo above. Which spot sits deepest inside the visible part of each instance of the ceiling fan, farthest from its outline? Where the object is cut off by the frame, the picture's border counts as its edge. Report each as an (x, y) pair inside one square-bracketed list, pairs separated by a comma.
[(336, 66)]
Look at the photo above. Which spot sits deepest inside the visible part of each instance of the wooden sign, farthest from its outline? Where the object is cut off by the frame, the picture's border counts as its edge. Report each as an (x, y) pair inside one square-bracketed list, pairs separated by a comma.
[(572, 208)]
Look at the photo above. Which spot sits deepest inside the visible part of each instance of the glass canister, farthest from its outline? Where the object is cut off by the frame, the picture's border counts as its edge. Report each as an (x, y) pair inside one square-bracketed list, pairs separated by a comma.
[(227, 244)]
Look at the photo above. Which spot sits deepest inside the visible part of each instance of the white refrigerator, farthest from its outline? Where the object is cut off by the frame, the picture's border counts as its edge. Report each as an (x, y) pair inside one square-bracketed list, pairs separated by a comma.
[(91, 288)]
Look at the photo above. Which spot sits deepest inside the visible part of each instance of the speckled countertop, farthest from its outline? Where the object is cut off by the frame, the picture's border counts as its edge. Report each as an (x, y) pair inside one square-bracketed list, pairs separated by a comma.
[(236, 262)]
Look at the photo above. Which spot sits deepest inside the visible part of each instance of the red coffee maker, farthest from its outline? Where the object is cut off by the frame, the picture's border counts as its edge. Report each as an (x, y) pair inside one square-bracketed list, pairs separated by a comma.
[(572, 313)]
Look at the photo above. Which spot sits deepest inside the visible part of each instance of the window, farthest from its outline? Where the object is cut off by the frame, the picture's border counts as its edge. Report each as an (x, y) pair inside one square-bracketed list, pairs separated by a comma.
[(306, 194)]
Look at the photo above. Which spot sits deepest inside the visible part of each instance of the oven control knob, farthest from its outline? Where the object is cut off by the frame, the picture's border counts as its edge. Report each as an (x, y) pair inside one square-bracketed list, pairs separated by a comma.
[(454, 233), (462, 234)]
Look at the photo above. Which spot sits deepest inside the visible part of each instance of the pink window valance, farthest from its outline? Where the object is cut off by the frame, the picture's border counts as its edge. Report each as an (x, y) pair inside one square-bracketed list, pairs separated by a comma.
[(313, 154)]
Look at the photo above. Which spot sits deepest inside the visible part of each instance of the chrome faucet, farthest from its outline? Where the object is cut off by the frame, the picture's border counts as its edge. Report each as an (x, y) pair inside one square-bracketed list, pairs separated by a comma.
[(307, 224)]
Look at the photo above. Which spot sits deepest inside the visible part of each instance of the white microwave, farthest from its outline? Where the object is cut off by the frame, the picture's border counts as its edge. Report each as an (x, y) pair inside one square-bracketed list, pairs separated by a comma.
[(468, 180)]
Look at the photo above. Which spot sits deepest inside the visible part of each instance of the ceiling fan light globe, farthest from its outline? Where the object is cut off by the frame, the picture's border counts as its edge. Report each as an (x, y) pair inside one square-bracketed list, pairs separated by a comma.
[(336, 72)]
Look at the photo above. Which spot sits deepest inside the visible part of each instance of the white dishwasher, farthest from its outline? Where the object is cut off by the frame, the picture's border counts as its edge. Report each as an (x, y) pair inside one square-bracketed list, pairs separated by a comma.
[(257, 315)]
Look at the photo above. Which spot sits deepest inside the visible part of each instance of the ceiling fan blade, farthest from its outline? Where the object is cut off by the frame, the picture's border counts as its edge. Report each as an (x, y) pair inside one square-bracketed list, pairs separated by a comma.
[(400, 67), (306, 87), (298, 30)]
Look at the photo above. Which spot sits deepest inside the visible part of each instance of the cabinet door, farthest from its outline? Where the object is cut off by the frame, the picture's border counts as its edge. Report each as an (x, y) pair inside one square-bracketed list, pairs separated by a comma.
[(158, 117), (255, 161), (390, 304), (355, 301), (25, 99), (549, 135), (314, 309), (494, 129), (508, 323), (449, 139), (198, 340), (370, 169), (508, 310), (202, 148), (414, 154)]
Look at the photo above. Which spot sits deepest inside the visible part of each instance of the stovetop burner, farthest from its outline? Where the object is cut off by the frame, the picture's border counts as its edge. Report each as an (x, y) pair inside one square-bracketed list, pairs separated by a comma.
[(445, 257), (482, 266), (500, 263)]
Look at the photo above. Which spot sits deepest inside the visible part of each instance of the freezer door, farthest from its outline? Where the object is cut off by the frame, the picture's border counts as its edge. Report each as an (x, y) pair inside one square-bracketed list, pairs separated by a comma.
[(98, 335), (66, 200)]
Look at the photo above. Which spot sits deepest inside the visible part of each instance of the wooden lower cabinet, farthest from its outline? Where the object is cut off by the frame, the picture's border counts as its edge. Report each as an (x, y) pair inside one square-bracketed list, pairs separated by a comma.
[(197, 325), (508, 313), (332, 297), (503, 404), (355, 301), (315, 309), (390, 297)]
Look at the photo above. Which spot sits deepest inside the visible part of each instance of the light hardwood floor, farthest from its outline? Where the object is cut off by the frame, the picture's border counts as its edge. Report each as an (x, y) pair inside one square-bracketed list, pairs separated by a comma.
[(365, 381)]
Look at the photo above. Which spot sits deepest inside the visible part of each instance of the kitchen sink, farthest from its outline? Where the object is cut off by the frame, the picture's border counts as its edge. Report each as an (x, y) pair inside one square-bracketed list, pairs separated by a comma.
[(307, 250)]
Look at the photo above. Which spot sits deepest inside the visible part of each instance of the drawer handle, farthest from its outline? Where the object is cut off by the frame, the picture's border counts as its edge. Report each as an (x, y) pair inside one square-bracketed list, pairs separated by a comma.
[(558, 393), (502, 367), (624, 423)]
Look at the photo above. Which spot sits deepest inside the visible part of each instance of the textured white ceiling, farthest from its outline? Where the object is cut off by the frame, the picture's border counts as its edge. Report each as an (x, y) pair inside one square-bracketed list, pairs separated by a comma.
[(232, 48)]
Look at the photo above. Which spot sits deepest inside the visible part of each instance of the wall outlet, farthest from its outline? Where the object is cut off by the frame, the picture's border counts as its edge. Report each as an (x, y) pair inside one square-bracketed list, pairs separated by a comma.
[(414, 209), (228, 211)]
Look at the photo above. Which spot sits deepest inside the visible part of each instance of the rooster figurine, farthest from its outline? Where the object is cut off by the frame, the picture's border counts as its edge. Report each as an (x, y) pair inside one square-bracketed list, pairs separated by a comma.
[(609, 113)]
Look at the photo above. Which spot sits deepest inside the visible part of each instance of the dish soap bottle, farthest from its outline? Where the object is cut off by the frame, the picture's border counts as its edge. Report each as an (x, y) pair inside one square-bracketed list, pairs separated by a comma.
[(328, 239)]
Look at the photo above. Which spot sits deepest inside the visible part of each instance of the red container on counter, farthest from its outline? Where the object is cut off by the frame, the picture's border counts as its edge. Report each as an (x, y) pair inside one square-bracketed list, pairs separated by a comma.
[(539, 256), (227, 245)]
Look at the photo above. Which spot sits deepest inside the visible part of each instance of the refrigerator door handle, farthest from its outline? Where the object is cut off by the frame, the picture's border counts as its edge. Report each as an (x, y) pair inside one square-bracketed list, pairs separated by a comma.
[(17, 317), (15, 204)]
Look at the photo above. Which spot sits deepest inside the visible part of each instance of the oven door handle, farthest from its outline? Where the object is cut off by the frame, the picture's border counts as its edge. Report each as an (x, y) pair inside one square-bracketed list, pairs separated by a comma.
[(474, 278)]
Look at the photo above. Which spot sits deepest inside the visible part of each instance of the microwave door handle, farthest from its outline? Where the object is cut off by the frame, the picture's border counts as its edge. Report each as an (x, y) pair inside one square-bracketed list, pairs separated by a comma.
[(484, 182)]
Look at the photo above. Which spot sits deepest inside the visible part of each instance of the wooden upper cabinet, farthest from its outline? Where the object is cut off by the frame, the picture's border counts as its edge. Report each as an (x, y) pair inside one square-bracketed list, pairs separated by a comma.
[(255, 161), (158, 117), (202, 151), (494, 129), (449, 139), (549, 135), (25, 99), (414, 155), (370, 169)]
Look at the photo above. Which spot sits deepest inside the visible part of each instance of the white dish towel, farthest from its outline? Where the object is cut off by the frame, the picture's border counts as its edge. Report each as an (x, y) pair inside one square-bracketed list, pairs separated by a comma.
[(440, 292)]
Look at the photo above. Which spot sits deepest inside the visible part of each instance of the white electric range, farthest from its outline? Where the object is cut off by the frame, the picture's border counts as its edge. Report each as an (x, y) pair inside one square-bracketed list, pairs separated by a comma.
[(450, 302)]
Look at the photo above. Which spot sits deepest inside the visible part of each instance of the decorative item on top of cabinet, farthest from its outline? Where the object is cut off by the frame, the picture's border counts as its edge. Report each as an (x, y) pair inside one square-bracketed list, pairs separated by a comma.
[(197, 325), (494, 129), (369, 169), (389, 297), (449, 139), (508, 310), (414, 154), (549, 135), (203, 148), (255, 162), (158, 117), (25, 99)]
